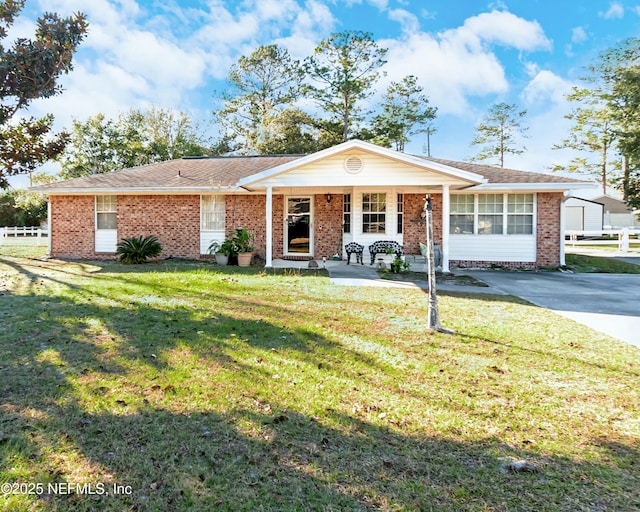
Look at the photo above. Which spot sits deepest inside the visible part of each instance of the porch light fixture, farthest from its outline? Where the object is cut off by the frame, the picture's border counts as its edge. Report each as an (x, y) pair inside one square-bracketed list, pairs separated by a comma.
[(328, 196)]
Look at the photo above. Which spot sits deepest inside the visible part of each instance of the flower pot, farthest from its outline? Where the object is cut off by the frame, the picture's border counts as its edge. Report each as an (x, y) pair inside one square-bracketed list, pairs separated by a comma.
[(244, 259), (222, 259)]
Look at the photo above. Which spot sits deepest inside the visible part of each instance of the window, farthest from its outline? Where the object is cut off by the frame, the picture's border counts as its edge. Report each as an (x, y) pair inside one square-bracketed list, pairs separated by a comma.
[(520, 214), (492, 214), (400, 211), (374, 207), (490, 219), (212, 213), (106, 212), (461, 219), (346, 213)]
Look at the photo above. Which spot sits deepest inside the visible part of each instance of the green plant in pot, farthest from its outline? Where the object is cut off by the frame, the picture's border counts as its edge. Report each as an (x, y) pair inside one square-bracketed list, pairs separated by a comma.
[(242, 240), (222, 251)]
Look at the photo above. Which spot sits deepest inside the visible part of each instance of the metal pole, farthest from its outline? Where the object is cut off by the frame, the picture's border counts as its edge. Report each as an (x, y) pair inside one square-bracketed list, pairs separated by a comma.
[(433, 321)]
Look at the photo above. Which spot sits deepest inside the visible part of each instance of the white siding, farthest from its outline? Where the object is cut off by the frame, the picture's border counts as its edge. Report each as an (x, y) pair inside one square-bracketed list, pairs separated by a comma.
[(376, 171), (206, 237), (583, 215), (493, 247), (106, 240)]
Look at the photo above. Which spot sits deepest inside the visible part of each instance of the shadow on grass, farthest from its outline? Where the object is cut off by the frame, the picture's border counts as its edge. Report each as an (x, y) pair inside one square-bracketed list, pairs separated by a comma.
[(228, 450)]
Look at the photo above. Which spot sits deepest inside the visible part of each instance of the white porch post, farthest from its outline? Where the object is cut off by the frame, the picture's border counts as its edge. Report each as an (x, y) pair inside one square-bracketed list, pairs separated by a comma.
[(445, 227), (269, 231), (563, 261)]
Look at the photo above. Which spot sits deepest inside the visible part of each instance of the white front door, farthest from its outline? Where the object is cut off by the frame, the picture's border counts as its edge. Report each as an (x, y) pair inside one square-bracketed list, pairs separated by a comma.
[(298, 236)]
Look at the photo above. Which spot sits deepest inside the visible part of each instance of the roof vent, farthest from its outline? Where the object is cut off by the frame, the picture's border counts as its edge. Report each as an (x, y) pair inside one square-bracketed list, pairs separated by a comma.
[(353, 164)]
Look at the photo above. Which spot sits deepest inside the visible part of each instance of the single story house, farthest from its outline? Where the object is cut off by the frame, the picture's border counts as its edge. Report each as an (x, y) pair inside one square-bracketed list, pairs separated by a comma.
[(617, 214), (310, 206)]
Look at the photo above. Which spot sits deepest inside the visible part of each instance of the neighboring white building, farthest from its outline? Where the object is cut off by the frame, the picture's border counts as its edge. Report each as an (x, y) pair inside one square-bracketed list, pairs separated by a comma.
[(616, 214), (583, 214)]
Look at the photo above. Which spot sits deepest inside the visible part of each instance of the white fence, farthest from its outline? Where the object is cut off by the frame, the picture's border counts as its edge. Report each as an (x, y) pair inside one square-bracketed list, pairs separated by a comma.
[(22, 231), (573, 234)]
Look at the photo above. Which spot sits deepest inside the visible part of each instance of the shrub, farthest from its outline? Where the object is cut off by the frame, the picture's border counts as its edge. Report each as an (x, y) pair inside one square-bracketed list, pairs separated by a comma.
[(138, 249)]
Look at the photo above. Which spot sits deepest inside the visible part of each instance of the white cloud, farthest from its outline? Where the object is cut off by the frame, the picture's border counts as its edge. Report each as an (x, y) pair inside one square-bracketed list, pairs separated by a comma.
[(408, 21), (578, 35), (459, 63), (616, 11), (544, 87)]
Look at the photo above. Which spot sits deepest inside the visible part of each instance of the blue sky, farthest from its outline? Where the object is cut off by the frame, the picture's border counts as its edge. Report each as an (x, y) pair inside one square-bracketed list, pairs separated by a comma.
[(467, 54)]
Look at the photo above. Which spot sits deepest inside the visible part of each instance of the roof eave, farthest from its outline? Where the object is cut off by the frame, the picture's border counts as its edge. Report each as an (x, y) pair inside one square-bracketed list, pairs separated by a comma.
[(551, 187), (134, 190)]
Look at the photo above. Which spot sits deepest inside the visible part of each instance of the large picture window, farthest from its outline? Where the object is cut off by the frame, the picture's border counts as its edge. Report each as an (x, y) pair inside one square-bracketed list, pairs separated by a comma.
[(106, 212), (492, 214), (212, 213), (374, 216)]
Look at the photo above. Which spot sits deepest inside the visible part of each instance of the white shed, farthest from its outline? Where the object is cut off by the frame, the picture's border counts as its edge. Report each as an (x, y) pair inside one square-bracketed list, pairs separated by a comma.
[(582, 214)]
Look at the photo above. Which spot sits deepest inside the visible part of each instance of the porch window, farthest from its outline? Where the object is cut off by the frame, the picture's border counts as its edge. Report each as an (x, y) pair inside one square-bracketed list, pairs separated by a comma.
[(346, 213), (490, 207), (520, 214), (106, 212), (462, 213), (400, 211), (374, 217), (492, 214), (212, 213)]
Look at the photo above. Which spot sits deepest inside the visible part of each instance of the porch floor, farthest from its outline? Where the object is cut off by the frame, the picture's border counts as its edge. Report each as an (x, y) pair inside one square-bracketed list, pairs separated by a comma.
[(417, 263)]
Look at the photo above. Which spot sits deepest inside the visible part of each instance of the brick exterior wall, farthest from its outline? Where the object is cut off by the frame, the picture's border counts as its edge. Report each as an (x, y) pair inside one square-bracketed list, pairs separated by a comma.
[(415, 231), (175, 220), (548, 233), (327, 226), (72, 226)]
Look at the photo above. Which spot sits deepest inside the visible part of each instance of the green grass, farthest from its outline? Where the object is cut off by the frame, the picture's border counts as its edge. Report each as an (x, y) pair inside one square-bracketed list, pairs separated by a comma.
[(205, 388), (588, 264)]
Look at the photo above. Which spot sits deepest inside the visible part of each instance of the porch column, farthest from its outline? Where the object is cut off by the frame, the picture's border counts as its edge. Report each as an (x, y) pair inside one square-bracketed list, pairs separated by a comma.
[(445, 227), (269, 230)]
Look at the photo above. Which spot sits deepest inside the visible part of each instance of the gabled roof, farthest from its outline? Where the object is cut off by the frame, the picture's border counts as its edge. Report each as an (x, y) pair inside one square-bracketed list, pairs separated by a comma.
[(240, 173)]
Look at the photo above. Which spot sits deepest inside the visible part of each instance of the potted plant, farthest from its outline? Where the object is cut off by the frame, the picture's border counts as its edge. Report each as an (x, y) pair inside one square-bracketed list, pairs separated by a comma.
[(242, 239), (222, 251), (387, 258)]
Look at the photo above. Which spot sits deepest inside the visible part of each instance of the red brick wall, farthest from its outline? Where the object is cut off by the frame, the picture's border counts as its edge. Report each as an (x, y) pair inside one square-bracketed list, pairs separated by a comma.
[(175, 220), (548, 233), (415, 232), (327, 226), (72, 226), (248, 212)]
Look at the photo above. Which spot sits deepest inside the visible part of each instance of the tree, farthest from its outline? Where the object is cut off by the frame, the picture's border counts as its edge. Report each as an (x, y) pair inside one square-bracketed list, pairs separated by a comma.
[(606, 122), (99, 145), (345, 68), (499, 133), (592, 133), (259, 113), (405, 112), (30, 69)]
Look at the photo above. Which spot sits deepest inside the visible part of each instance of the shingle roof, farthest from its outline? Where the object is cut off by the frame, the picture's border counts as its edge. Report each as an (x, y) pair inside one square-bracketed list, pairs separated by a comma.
[(176, 174), (500, 175), (198, 174)]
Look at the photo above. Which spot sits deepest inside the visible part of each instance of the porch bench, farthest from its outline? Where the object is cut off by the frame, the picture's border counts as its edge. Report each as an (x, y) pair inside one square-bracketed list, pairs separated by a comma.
[(381, 246), (354, 248)]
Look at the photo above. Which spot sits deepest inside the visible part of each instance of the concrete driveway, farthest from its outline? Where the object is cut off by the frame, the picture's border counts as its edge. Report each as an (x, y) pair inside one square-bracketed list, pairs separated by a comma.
[(609, 303)]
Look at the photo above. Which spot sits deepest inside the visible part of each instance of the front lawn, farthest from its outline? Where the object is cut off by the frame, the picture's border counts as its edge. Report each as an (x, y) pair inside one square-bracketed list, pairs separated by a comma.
[(198, 388)]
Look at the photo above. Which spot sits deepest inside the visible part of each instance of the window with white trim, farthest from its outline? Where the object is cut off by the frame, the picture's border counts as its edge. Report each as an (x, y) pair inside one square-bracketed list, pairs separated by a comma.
[(400, 213), (520, 214), (346, 213), (461, 214), (374, 216), (490, 218), (212, 213), (106, 212), (491, 214)]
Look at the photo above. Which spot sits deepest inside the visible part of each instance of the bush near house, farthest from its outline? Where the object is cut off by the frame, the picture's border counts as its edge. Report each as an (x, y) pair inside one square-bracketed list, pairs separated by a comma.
[(138, 249)]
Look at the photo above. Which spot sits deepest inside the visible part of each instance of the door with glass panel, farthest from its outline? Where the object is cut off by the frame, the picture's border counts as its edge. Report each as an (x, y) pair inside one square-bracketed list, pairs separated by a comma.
[(298, 226)]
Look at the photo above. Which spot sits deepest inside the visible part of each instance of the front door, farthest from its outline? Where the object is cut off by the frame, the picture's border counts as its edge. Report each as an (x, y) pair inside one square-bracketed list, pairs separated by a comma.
[(298, 226)]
